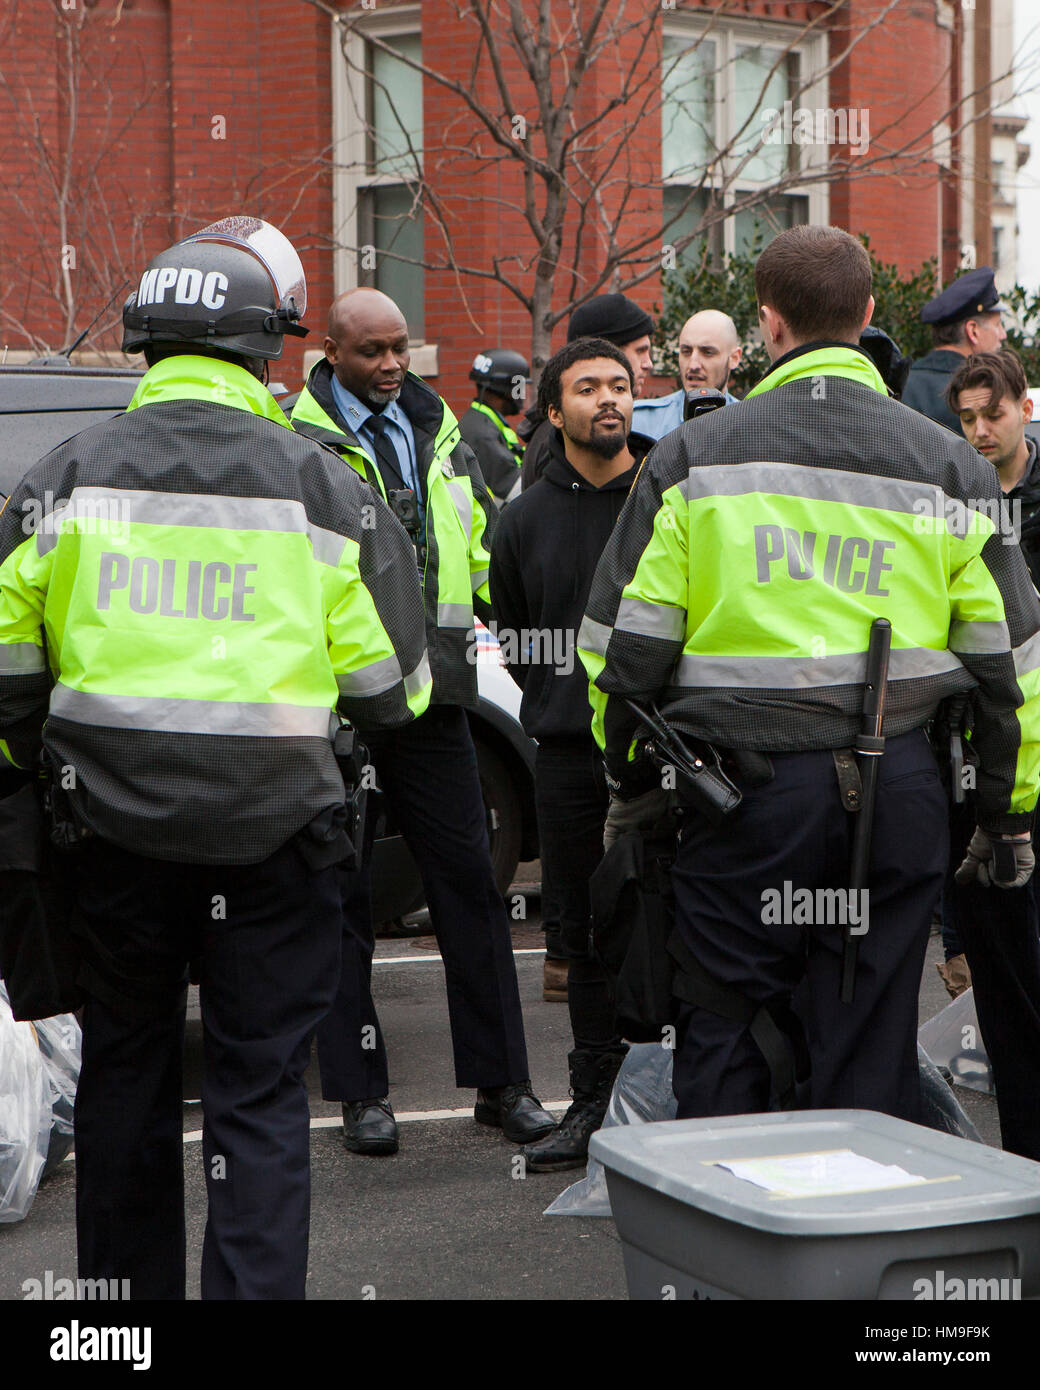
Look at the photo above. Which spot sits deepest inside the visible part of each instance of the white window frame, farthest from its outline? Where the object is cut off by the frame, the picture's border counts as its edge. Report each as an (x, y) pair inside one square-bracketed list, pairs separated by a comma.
[(349, 153), (727, 34)]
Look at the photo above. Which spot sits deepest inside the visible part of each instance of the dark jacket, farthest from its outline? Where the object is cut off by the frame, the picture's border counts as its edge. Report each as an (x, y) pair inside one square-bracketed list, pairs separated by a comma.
[(546, 548), (1026, 496), (534, 429), (926, 386), (499, 463)]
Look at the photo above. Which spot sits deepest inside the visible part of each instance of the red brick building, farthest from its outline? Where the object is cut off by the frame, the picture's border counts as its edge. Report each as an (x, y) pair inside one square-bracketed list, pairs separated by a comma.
[(136, 121)]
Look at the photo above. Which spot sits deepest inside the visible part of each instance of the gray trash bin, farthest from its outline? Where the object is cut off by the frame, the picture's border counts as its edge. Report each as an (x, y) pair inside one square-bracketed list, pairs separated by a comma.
[(967, 1225)]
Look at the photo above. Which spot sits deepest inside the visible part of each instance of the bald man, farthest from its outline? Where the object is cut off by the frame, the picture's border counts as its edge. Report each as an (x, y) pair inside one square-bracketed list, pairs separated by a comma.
[(709, 350), (398, 434)]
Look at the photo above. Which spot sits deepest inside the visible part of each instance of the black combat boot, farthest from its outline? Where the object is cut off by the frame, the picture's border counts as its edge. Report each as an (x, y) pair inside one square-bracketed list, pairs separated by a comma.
[(592, 1080)]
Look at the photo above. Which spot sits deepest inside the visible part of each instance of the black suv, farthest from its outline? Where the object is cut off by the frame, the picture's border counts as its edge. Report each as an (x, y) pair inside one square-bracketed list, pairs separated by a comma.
[(43, 404)]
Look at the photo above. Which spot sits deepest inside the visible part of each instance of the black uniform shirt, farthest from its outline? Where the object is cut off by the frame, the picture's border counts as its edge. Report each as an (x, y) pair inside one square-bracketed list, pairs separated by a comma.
[(926, 385)]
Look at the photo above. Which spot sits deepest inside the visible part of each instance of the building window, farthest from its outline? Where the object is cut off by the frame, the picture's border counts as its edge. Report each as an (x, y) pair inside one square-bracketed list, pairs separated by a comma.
[(717, 86), (378, 124)]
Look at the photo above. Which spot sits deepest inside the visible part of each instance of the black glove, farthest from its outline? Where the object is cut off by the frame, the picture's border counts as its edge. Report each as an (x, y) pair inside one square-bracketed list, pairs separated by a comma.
[(1003, 860), (639, 813)]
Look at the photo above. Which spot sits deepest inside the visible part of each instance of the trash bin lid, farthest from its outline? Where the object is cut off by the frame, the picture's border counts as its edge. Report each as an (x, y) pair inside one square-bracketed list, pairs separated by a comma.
[(823, 1172)]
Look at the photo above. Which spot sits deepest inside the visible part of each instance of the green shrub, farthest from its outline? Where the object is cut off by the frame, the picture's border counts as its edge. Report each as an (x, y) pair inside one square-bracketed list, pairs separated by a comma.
[(729, 284)]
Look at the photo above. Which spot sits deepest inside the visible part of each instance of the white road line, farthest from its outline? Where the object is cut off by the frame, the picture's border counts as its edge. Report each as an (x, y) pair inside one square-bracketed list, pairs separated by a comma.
[(194, 1136), (435, 955)]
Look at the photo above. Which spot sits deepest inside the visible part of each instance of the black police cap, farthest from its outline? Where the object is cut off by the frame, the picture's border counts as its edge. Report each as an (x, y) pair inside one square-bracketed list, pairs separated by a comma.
[(970, 294)]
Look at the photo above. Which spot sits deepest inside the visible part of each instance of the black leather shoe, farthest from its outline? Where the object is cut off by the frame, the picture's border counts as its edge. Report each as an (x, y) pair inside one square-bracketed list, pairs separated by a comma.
[(369, 1127), (515, 1110)]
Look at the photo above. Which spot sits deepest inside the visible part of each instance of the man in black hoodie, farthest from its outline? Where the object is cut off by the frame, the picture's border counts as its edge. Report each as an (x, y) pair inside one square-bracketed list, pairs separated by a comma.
[(543, 557)]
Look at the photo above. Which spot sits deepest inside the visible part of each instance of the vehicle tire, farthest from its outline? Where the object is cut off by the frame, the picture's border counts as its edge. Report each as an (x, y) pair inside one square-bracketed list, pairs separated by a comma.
[(504, 813)]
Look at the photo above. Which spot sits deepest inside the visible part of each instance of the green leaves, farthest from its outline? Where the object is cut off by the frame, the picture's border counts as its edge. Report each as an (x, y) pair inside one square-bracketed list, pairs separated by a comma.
[(728, 283)]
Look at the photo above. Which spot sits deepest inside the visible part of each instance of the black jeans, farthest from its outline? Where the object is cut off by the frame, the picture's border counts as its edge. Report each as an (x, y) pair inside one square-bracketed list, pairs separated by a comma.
[(571, 799), (266, 939), (428, 772), (997, 928), (794, 831)]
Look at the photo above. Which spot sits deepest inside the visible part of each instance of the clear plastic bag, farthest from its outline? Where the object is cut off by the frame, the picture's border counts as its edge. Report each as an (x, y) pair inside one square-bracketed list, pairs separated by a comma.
[(61, 1047), (643, 1093), (939, 1106), (25, 1115), (953, 1039)]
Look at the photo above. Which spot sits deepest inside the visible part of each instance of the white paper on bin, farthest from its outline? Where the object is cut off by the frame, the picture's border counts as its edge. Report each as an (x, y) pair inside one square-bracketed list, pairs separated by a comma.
[(824, 1173)]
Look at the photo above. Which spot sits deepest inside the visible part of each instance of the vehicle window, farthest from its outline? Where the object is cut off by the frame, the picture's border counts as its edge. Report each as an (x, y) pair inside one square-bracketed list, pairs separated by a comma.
[(25, 438)]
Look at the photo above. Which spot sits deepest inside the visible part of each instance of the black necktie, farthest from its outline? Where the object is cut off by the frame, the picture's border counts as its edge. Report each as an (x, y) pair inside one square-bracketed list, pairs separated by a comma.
[(386, 455)]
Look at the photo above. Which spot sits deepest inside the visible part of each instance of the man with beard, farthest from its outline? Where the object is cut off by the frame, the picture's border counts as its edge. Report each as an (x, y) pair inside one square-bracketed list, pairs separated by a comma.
[(709, 350), (611, 317), (544, 554)]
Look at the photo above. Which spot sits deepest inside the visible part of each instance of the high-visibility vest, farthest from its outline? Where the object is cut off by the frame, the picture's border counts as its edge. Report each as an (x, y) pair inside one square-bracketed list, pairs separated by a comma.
[(211, 597)]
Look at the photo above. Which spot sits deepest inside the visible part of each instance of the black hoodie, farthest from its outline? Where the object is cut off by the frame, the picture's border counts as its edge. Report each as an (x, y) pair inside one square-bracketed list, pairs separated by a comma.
[(545, 552)]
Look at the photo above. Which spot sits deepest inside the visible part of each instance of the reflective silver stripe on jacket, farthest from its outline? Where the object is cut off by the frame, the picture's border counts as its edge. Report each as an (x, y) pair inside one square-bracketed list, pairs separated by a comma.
[(803, 673), (593, 636), (21, 658), (816, 484), (375, 679), (112, 509), (463, 505), (979, 638), (924, 500), (477, 578), (164, 714), (454, 615), (417, 680), (1027, 656), (382, 676), (651, 619)]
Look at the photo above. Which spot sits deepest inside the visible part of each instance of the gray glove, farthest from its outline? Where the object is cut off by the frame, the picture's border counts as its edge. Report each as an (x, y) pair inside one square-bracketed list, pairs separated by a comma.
[(636, 815), (1002, 860)]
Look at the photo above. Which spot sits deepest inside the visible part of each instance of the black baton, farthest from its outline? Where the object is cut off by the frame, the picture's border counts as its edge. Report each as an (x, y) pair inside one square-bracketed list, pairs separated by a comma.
[(869, 746)]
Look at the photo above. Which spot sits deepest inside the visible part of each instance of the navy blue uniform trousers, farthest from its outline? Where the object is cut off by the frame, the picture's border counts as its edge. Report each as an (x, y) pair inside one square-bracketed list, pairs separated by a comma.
[(428, 773), (795, 830), (265, 938), (997, 929)]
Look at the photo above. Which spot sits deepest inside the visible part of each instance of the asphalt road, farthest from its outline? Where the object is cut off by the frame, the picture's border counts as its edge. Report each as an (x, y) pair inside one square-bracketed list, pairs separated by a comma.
[(443, 1219)]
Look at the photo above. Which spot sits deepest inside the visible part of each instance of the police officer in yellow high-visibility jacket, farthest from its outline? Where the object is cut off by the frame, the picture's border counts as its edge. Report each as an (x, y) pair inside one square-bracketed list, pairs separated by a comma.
[(392, 429), (738, 590), (189, 593)]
